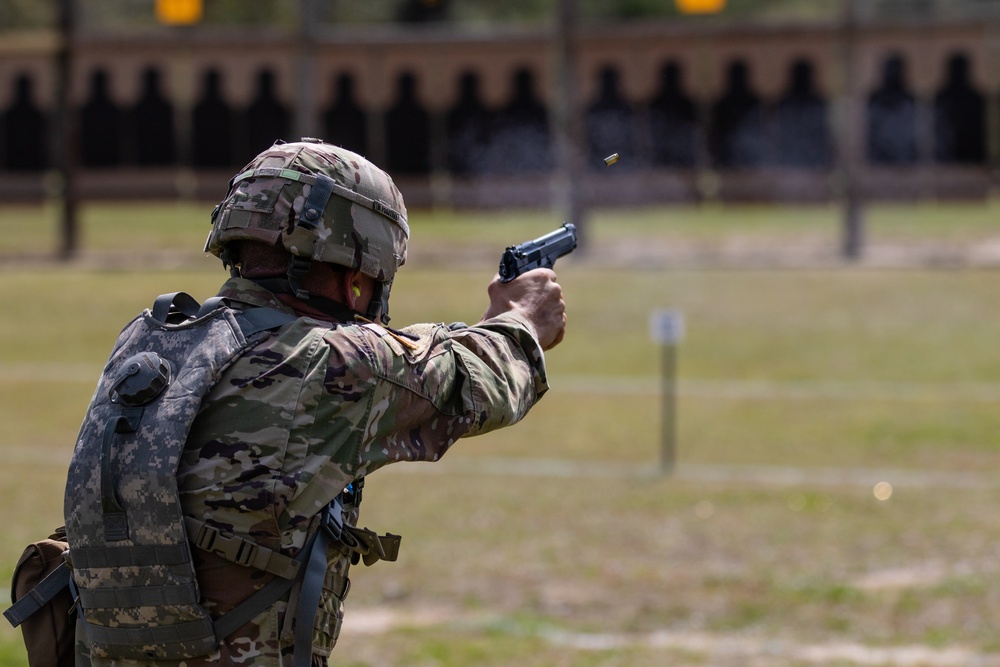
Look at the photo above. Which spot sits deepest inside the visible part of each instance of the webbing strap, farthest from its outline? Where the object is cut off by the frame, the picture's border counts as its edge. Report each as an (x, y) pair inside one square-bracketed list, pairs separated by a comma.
[(255, 320), (262, 599), (239, 550), (211, 304), (331, 528), (315, 204), (337, 583), (39, 596), (334, 309), (179, 301), (94, 557), (138, 596), (328, 623), (115, 519), (176, 633), (250, 321)]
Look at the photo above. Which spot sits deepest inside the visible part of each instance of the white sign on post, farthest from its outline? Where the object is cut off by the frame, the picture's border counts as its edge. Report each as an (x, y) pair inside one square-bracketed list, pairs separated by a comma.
[(666, 326)]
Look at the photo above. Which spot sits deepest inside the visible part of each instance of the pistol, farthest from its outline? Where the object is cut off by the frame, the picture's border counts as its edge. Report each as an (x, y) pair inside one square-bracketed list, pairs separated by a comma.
[(541, 253)]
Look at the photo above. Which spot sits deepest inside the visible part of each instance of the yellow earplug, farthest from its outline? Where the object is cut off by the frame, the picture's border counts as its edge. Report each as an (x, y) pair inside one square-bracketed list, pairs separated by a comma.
[(357, 291)]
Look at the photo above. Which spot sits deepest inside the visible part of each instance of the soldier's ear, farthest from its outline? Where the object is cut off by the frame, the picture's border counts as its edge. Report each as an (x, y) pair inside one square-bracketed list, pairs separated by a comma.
[(351, 289)]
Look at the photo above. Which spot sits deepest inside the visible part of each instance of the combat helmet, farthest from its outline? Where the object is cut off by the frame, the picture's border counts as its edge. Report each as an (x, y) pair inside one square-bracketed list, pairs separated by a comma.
[(320, 203)]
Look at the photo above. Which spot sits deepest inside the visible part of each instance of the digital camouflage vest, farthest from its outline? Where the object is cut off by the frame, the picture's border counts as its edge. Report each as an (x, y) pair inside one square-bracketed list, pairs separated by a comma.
[(129, 548)]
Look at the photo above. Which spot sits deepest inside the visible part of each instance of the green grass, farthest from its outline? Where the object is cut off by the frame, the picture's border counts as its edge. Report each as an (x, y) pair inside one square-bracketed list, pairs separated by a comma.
[(845, 374), (183, 226)]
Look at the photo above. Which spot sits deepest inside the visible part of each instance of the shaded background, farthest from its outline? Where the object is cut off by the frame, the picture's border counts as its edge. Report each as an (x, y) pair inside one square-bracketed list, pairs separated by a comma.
[(500, 104)]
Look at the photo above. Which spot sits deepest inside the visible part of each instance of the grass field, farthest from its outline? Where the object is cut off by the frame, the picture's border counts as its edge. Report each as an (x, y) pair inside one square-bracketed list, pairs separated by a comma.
[(558, 542)]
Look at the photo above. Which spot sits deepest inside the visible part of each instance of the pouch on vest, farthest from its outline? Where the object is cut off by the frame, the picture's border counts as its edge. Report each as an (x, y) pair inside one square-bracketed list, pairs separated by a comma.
[(132, 565), (42, 603)]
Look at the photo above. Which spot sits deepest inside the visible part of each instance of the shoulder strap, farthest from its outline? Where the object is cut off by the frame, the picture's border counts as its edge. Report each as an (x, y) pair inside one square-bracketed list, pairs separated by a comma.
[(255, 320), (174, 302), (251, 320)]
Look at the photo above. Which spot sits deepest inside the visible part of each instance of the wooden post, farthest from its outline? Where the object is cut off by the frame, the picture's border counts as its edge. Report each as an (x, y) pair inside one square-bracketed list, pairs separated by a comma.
[(849, 137)]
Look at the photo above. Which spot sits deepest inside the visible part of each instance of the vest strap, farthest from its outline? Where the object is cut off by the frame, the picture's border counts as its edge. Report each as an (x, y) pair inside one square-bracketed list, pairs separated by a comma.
[(96, 557), (330, 530), (255, 320), (138, 596), (129, 638), (172, 303), (262, 599)]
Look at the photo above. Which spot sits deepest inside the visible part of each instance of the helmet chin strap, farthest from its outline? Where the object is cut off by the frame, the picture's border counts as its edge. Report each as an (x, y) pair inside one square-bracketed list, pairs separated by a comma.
[(378, 306)]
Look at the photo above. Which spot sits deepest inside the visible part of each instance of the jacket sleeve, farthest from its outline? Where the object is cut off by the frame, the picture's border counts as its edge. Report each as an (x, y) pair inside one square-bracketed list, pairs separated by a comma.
[(433, 384)]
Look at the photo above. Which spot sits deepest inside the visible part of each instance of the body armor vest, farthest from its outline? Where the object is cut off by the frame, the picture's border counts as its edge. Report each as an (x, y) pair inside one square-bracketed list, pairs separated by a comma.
[(130, 543)]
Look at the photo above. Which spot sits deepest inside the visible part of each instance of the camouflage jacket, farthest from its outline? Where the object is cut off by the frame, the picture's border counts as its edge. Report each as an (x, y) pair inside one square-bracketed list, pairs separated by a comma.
[(315, 406)]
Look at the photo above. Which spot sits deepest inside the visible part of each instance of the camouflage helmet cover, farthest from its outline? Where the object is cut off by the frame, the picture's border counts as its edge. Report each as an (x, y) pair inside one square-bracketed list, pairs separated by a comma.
[(317, 201)]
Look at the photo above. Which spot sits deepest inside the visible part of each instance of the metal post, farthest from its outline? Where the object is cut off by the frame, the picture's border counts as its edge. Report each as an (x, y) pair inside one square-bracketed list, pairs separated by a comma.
[(567, 121), (64, 143), (667, 328), (305, 71), (668, 444), (183, 94)]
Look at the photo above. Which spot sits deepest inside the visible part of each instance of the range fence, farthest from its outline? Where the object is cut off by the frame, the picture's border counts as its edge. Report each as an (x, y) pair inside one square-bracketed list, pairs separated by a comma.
[(737, 112)]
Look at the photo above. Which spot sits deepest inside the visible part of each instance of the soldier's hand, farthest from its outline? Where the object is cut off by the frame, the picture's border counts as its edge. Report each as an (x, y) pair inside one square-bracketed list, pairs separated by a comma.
[(535, 296)]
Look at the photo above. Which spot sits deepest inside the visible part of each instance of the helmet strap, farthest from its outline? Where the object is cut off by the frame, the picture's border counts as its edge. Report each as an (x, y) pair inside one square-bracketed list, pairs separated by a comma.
[(298, 267), (315, 204), (229, 261), (334, 309), (378, 307)]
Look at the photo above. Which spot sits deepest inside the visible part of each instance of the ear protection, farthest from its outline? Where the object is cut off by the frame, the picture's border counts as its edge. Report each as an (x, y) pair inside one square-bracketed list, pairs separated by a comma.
[(357, 291)]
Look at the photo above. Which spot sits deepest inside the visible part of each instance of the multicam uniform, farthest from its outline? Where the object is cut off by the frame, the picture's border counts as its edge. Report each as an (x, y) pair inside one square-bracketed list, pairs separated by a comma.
[(314, 407)]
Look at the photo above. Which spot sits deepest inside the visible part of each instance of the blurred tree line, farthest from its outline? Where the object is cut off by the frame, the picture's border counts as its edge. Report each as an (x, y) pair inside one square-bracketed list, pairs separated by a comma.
[(111, 14)]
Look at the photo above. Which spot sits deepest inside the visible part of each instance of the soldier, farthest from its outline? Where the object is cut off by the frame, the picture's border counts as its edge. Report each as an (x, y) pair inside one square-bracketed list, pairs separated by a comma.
[(295, 423)]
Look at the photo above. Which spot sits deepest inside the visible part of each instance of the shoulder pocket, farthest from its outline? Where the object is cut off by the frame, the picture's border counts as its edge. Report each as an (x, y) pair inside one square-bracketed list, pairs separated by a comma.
[(424, 364)]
